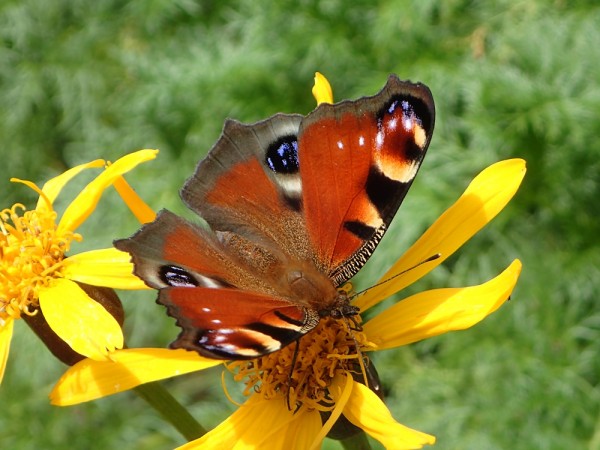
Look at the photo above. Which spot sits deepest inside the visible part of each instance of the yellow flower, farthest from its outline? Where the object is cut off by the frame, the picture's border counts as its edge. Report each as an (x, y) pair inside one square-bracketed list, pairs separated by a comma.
[(285, 409), (36, 276), (423, 315)]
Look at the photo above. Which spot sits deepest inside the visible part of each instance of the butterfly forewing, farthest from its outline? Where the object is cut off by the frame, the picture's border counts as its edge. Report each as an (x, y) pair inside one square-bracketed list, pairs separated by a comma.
[(249, 178), (367, 153)]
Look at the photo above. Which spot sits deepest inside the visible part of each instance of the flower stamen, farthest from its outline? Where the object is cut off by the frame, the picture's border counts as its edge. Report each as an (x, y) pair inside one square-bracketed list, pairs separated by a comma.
[(32, 255), (34, 187), (302, 372)]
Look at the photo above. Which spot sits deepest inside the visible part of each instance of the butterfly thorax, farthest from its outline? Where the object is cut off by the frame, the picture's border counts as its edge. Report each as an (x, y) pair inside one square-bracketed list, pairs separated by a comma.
[(311, 288)]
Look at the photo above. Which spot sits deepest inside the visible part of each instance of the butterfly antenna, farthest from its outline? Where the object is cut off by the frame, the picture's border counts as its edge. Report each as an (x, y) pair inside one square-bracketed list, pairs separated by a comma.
[(431, 258)]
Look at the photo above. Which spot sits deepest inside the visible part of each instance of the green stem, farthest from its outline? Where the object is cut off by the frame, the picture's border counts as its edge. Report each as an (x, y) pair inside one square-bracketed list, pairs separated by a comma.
[(171, 410), (357, 442)]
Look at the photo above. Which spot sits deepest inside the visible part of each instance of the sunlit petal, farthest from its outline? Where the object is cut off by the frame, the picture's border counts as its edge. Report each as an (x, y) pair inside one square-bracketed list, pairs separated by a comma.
[(367, 411), (86, 201), (6, 332), (78, 320), (322, 89), (105, 267), (88, 379), (256, 424), (437, 311), (484, 198), (301, 432), (52, 187)]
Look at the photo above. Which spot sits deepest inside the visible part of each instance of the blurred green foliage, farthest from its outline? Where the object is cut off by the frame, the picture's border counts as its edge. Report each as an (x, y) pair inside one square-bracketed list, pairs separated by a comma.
[(81, 80)]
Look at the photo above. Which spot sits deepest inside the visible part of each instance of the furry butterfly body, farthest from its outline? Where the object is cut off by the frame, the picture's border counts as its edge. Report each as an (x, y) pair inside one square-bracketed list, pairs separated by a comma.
[(295, 207)]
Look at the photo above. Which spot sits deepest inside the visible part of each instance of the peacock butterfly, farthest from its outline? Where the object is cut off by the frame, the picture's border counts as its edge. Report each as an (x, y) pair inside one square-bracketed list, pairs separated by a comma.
[(295, 207)]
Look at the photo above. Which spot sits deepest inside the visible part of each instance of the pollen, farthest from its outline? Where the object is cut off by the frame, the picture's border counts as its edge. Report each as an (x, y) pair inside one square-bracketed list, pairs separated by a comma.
[(32, 252), (301, 372)]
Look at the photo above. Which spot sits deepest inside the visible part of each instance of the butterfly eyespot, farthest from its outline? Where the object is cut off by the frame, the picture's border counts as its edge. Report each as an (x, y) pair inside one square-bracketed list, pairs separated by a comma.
[(177, 277), (416, 119), (282, 155), (411, 108)]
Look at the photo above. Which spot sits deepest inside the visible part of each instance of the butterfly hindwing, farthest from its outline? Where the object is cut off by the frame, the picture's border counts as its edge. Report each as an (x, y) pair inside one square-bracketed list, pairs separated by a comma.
[(231, 323)]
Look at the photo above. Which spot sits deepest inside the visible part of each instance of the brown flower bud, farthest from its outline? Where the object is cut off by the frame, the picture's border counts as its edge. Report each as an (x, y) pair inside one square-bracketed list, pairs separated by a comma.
[(59, 348)]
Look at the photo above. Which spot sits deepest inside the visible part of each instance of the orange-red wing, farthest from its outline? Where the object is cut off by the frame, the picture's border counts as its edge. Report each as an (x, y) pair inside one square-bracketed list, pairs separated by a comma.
[(248, 184), (230, 323), (172, 240), (357, 160)]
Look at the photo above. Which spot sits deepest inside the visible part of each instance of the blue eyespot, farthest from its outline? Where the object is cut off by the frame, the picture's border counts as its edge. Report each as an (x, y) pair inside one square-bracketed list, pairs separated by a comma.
[(282, 155)]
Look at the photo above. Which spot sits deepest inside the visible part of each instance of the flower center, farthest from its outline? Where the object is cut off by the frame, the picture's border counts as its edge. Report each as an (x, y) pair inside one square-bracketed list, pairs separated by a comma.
[(316, 358), (32, 251)]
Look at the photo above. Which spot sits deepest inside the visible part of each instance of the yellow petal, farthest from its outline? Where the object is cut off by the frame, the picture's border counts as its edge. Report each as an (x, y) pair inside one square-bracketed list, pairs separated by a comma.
[(138, 207), (484, 198), (6, 331), (86, 201), (258, 423), (366, 410), (107, 267), (437, 311), (301, 432), (52, 187), (322, 89), (78, 320), (88, 379)]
